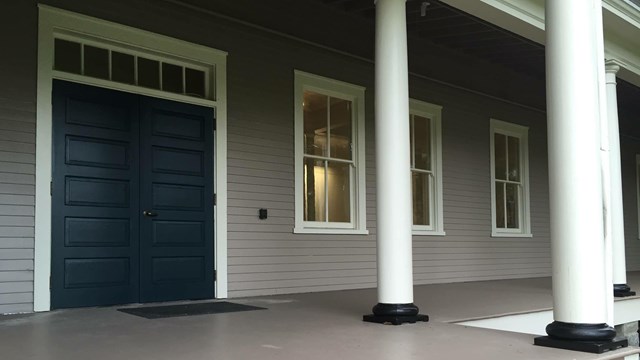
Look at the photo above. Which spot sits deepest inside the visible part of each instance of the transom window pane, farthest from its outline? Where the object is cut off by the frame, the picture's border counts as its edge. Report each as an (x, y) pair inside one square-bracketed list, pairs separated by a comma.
[(194, 82), (123, 68), (172, 78), (149, 73), (68, 55), (96, 62)]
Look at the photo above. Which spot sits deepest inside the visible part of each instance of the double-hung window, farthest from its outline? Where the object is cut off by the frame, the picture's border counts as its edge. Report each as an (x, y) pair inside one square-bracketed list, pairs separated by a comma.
[(426, 168), (329, 156), (509, 179)]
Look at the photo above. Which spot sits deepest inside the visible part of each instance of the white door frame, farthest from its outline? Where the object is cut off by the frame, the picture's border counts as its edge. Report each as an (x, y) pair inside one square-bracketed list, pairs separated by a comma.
[(55, 22)]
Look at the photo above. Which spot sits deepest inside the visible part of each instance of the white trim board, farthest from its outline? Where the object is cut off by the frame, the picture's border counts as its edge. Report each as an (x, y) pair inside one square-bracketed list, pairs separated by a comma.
[(53, 21)]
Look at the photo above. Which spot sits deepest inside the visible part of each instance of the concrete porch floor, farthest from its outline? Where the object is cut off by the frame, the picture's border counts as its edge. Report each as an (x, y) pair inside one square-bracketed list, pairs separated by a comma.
[(324, 325)]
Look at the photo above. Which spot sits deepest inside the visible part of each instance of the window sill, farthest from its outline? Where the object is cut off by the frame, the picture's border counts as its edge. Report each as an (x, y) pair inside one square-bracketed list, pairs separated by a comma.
[(428, 233), (330, 231), (511, 235)]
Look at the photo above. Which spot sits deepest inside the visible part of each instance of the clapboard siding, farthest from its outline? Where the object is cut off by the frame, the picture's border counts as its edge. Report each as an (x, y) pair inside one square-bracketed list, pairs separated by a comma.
[(17, 158)]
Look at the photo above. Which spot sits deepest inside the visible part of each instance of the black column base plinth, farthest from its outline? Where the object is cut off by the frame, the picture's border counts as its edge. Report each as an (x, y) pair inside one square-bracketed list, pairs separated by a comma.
[(622, 290), (395, 314), (596, 347)]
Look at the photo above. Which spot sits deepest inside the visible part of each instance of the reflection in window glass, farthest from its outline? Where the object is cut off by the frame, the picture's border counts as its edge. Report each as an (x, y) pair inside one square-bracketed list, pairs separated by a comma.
[(338, 181), (67, 56), (314, 190), (500, 150), (315, 123), (421, 198), (340, 125)]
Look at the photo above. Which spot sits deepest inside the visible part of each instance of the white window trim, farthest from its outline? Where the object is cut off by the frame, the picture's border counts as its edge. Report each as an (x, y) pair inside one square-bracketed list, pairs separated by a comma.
[(521, 132), (53, 22), (305, 81), (433, 112), (638, 191)]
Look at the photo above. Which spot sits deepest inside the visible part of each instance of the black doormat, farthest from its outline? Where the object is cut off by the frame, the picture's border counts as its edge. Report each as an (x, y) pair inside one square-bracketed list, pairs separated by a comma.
[(158, 312)]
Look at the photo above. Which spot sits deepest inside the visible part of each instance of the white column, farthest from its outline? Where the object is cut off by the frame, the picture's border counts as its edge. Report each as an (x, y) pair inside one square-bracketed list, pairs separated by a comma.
[(617, 216), (393, 172), (575, 182)]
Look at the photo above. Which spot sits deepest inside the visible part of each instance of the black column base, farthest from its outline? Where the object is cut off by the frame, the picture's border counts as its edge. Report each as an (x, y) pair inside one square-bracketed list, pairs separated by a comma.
[(395, 314), (596, 347), (622, 290), (592, 338)]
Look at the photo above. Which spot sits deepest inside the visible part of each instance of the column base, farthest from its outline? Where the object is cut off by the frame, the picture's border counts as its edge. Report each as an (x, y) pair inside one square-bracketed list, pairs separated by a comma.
[(596, 347), (622, 290), (395, 314), (593, 338)]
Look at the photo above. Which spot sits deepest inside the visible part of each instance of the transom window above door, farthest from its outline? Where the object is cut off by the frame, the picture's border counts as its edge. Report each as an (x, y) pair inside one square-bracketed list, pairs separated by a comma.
[(132, 67), (329, 128)]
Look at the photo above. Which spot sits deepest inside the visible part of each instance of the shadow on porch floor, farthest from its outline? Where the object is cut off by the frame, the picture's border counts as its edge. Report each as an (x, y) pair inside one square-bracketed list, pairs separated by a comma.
[(304, 326)]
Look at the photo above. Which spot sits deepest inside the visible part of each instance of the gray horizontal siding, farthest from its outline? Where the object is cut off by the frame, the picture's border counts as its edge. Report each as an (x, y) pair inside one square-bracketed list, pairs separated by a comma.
[(17, 160)]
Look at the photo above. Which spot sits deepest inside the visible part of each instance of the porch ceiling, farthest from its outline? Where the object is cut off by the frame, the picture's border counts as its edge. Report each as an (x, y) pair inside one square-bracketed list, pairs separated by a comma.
[(447, 26)]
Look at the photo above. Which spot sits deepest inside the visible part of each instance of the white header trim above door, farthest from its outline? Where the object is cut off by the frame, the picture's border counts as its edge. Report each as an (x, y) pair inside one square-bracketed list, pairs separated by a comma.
[(53, 22)]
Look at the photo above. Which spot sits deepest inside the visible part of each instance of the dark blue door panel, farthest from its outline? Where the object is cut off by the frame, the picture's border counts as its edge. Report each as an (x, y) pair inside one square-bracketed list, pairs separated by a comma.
[(177, 169), (95, 243), (117, 155)]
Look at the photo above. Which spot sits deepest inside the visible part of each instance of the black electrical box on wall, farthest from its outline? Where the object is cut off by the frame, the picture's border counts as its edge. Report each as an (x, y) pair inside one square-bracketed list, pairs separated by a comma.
[(262, 214)]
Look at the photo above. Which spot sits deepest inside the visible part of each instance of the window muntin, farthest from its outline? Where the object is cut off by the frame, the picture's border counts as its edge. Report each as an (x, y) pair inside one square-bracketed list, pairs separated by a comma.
[(329, 155), (509, 173), (426, 168)]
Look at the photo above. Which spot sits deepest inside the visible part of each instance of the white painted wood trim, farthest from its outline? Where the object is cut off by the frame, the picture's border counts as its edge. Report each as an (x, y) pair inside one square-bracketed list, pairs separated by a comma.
[(305, 81), (53, 21), (433, 112), (521, 132)]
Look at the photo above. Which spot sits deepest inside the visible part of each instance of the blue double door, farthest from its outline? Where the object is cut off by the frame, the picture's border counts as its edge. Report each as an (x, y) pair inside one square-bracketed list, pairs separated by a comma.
[(132, 198)]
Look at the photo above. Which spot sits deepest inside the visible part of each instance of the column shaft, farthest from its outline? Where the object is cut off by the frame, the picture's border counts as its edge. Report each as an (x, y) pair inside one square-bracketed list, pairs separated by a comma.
[(575, 183), (616, 207), (393, 193)]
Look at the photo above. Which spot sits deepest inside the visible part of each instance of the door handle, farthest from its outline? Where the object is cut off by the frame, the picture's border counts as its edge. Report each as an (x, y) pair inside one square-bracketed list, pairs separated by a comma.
[(149, 213)]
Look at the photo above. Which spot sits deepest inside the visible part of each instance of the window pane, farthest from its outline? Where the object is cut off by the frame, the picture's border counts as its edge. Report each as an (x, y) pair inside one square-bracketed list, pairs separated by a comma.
[(514, 158), (194, 82), (96, 62), (500, 159), (172, 78), (340, 129), (422, 141), (420, 184), (500, 205), (339, 191), (148, 73), (67, 56), (315, 123), (122, 68), (513, 206), (314, 190)]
